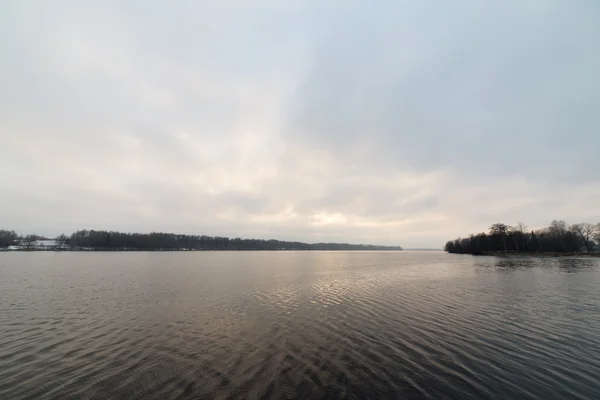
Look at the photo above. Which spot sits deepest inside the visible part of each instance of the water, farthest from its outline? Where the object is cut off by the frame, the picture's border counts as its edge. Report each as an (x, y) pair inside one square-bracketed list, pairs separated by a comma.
[(297, 325)]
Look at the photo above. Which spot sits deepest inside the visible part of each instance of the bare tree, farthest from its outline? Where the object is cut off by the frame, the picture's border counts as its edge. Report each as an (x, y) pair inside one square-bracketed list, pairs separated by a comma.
[(558, 231), (558, 238), (586, 233), (29, 241), (537, 237), (61, 242), (514, 232), (521, 227), (519, 231), (7, 238), (500, 230)]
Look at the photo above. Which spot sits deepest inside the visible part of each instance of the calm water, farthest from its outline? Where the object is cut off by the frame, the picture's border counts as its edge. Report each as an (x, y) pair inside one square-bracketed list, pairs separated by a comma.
[(297, 325)]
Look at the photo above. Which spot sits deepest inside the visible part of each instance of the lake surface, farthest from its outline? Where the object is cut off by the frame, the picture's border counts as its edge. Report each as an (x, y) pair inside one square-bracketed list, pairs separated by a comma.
[(298, 325)]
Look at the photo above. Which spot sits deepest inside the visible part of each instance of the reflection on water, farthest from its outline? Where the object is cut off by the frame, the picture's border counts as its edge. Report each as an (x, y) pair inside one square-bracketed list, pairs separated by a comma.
[(575, 265), (298, 325)]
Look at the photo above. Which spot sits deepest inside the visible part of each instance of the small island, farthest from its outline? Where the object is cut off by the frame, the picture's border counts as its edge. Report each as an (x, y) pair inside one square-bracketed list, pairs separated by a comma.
[(100, 240), (558, 239)]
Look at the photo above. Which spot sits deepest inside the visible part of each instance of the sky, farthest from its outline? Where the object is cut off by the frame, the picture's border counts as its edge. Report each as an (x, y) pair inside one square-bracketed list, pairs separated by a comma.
[(389, 122)]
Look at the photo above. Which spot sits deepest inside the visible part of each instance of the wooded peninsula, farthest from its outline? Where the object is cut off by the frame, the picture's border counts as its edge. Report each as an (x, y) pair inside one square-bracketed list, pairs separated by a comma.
[(89, 240), (559, 239)]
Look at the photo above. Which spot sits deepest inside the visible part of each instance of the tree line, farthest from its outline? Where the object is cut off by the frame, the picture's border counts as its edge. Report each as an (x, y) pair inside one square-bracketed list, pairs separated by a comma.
[(114, 240), (559, 237)]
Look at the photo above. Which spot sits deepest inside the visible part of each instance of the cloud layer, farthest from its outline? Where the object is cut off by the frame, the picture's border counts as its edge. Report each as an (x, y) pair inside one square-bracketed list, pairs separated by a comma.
[(394, 123)]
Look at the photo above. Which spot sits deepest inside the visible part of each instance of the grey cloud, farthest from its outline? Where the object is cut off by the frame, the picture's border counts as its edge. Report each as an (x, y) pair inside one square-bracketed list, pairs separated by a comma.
[(495, 90), (388, 122)]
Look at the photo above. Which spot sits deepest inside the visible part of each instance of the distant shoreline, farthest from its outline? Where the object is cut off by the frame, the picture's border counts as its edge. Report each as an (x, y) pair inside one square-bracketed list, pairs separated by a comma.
[(188, 250), (101, 240), (557, 240)]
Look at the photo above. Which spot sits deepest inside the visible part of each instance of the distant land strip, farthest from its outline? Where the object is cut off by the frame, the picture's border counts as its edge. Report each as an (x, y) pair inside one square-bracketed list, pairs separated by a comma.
[(94, 240)]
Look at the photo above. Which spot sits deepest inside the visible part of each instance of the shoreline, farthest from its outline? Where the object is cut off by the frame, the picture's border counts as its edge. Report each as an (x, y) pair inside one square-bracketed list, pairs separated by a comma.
[(179, 250), (543, 254)]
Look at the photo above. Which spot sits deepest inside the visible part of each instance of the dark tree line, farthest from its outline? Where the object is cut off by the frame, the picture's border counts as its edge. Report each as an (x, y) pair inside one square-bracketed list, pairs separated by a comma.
[(559, 237), (8, 238), (113, 240)]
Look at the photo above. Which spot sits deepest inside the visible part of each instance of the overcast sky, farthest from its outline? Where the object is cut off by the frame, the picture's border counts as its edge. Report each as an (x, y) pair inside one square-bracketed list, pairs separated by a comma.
[(387, 122)]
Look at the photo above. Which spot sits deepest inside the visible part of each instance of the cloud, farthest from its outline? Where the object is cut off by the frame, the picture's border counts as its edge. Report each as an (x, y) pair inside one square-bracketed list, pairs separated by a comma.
[(395, 122)]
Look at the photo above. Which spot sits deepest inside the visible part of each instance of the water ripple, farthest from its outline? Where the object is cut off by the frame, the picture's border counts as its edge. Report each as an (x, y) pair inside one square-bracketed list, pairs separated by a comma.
[(297, 325)]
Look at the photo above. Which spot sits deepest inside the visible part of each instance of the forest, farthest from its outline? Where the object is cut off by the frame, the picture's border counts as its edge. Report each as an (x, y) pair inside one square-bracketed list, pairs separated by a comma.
[(113, 240), (559, 237)]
